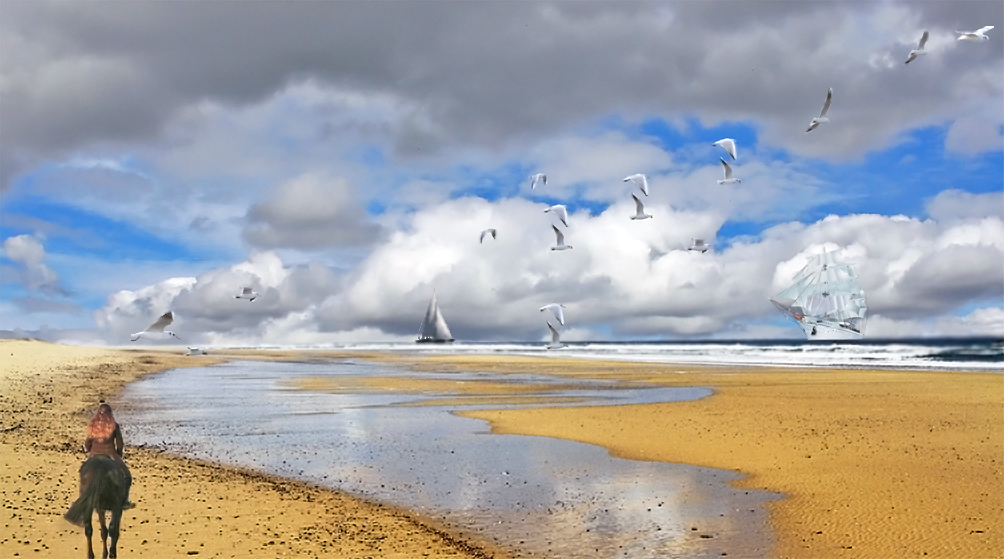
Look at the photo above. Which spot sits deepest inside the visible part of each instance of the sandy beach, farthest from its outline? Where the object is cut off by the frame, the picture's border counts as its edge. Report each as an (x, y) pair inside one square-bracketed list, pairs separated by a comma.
[(184, 507), (872, 463)]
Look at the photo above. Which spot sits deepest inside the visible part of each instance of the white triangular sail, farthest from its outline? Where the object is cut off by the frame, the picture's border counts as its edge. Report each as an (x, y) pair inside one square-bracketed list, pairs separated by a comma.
[(826, 299), (434, 328)]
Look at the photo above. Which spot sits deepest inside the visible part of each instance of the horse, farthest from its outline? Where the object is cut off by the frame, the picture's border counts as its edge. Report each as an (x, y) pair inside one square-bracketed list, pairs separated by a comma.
[(104, 486)]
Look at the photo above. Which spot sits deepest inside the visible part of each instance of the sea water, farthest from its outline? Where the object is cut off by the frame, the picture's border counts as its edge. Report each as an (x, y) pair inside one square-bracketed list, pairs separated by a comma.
[(953, 354), (535, 495)]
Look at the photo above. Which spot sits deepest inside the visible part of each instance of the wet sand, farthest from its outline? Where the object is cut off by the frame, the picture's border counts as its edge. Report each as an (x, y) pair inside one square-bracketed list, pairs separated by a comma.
[(872, 463), (184, 507)]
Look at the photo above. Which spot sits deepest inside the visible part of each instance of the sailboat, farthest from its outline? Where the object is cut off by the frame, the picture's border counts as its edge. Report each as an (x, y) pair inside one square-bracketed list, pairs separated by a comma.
[(434, 328), (826, 300)]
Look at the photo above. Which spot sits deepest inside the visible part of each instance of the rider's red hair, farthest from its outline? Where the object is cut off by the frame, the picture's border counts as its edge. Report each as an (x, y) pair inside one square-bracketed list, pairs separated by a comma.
[(102, 425)]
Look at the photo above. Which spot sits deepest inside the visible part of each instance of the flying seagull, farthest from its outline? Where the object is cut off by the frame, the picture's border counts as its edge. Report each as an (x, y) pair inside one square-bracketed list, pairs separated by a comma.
[(246, 293), (728, 174), (975, 36), (822, 114), (487, 232), (555, 309), (561, 240), (156, 330), (919, 50), (539, 177), (639, 209), (560, 211), (699, 246), (639, 179), (555, 338), (730, 146)]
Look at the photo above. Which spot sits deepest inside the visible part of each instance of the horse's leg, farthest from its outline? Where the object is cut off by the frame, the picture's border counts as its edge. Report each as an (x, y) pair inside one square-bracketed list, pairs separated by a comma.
[(104, 534), (89, 531), (116, 516)]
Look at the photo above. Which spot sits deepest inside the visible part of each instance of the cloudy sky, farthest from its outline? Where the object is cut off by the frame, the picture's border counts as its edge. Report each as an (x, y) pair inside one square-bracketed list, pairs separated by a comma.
[(342, 158)]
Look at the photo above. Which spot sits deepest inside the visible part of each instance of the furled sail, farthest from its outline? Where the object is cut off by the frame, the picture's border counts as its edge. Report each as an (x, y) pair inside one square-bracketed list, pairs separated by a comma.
[(826, 299), (434, 328)]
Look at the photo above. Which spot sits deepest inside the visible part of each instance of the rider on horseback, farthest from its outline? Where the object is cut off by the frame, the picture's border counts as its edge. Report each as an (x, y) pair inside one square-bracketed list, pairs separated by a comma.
[(105, 437)]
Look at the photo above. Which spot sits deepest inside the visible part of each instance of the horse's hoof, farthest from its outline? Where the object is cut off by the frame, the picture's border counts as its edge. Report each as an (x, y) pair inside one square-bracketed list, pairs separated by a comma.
[(128, 505)]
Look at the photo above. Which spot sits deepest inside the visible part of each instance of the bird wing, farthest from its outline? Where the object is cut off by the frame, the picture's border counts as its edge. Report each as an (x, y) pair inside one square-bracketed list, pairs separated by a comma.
[(492, 231), (923, 40), (483, 233), (729, 145), (644, 184), (983, 30), (557, 233), (554, 334), (162, 322), (562, 212), (826, 104), (638, 206), (728, 169)]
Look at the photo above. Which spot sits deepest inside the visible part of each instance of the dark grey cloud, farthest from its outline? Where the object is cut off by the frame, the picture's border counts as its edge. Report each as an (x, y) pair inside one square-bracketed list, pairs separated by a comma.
[(78, 75)]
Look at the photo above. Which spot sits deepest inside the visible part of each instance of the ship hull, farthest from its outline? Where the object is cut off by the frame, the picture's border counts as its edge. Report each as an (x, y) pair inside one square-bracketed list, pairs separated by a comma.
[(827, 331), (432, 341)]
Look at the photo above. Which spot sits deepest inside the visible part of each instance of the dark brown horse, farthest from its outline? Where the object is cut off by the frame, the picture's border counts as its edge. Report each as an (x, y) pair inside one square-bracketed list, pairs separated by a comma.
[(104, 486)]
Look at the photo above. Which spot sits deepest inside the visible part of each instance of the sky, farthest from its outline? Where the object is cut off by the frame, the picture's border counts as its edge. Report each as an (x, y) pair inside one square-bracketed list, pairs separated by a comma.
[(343, 157)]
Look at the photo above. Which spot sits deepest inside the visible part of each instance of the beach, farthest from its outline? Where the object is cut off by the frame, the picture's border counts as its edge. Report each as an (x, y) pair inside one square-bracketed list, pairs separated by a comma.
[(184, 507), (871, 463)]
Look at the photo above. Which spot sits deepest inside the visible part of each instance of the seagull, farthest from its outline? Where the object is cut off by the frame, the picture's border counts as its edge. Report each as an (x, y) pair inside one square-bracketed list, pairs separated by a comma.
[(728, 174), (156, 330), (919, 50), (560, 211), (699, 246), (639, 209), (639, 179), (555, 338), (730, 146), (555, 309), (487, 232), (541, 177), (196, 351), (975, 36), (561, 240), (246, 293), (822, 114)]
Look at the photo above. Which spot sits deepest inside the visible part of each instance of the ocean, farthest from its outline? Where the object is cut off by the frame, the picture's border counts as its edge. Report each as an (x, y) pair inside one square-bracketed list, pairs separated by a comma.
[(963, 354)]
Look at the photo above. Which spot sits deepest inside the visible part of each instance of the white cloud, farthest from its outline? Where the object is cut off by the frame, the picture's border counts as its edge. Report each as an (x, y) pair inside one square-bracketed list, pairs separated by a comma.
[(623, 279), (34, 274)]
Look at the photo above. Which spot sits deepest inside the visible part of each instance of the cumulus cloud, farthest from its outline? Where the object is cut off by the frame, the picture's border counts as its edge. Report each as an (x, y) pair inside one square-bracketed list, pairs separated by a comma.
[(311, 211), (33, 274), (622, 279), (954, 204)]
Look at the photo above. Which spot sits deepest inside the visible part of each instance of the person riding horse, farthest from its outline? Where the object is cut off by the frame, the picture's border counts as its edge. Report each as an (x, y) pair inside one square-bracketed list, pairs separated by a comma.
[(105, 437)]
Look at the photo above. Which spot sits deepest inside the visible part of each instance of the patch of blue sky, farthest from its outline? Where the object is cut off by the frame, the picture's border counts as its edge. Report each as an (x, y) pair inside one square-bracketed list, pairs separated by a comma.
[(119, 240), (690, 147), (901, 179)]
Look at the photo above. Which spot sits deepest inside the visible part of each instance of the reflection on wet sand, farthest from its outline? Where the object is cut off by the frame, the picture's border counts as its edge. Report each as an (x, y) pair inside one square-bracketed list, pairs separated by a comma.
[(390, 435)]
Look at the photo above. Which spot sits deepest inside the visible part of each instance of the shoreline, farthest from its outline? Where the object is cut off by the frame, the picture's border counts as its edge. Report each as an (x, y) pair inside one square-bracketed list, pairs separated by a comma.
[(184, 506), (872, 463)]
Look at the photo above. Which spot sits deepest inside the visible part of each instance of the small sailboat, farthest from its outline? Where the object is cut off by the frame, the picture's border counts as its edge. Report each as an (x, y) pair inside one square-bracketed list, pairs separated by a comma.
[(434, 328), (826, 300)]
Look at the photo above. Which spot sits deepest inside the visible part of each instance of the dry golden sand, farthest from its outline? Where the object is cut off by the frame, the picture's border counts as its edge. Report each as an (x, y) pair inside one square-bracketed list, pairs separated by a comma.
[(873, 464), (185, 508)]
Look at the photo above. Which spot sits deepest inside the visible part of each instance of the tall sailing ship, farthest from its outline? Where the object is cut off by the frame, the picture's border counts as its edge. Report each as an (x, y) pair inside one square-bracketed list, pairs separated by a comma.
[(826, 300), (434, 328)]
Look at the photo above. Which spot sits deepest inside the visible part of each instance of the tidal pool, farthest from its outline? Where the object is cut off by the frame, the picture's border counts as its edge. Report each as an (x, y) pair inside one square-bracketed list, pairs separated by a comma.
[(537, 496)]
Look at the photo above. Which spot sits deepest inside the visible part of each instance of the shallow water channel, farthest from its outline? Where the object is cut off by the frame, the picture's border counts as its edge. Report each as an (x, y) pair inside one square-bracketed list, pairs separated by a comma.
[(535, 495)]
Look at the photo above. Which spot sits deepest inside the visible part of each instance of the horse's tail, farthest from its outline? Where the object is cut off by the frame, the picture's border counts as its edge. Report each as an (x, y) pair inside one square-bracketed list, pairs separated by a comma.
[(97, 479), (88, 500)]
